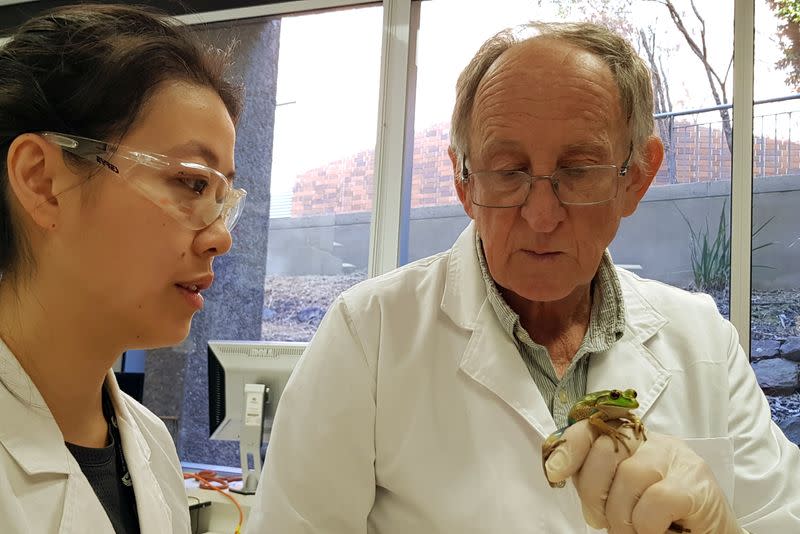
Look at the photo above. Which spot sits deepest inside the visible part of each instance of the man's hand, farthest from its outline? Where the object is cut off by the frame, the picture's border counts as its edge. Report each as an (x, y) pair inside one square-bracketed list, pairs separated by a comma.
[(661, 482)]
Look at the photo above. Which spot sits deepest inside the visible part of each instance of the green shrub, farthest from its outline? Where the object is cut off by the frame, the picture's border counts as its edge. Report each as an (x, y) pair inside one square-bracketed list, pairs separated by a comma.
[(711, 257)]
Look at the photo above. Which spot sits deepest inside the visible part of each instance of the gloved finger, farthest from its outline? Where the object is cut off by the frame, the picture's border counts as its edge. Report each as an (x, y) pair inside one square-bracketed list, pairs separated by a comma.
[(660, 505), (595, 478), (568, 457), (633, 477)]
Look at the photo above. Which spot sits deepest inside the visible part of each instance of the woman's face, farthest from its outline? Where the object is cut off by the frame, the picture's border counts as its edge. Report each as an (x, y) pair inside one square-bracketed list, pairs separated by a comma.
[(122, 259)]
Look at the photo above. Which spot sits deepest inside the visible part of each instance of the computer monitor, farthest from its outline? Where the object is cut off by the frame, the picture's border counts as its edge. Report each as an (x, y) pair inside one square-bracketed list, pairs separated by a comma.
[(245, 383)]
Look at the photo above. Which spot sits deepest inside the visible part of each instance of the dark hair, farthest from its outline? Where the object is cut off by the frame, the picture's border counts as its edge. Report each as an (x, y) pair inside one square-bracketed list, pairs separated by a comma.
[(88, 70)]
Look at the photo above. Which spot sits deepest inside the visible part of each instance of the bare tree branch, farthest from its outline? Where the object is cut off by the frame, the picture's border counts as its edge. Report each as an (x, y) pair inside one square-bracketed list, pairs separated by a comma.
[(715, 83)]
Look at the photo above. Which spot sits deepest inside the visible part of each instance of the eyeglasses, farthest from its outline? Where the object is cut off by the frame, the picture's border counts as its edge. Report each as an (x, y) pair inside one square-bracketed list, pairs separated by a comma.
[(193, 194), (585, 185)]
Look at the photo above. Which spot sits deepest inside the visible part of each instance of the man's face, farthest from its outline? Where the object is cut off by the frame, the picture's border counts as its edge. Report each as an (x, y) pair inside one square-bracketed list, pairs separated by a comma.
[(545, 105)]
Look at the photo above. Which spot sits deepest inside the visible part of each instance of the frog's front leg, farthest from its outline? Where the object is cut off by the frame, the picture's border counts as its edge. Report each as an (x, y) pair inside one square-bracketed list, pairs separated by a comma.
[(598, 420), (637, 425), (548, 446)]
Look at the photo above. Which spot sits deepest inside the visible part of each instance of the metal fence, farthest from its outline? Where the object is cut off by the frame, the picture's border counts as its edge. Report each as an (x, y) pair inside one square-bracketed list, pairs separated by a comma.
[(697, 147)]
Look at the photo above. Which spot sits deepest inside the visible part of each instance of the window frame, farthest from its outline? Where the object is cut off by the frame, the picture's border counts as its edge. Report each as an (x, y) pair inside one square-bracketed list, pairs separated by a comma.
[(395, 127)]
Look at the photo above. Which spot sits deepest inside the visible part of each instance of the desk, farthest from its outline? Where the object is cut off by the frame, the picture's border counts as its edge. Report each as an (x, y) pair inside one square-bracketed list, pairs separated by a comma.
[(213, 513)]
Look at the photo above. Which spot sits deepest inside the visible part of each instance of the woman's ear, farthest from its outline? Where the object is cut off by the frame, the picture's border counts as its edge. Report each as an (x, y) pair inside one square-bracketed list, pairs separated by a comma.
[(641, 176), (33, 169)]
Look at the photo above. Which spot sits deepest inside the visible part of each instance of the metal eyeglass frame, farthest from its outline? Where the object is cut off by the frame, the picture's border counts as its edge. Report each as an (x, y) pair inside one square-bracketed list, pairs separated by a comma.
[(228, 206), (621, 171)]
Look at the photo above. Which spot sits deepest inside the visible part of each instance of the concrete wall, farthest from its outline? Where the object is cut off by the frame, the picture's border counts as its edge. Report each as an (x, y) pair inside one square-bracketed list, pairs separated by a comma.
[(655, 237)]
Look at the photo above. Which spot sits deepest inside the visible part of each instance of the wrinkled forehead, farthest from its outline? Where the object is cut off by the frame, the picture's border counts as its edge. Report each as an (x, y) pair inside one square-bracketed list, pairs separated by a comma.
[(545, 88)]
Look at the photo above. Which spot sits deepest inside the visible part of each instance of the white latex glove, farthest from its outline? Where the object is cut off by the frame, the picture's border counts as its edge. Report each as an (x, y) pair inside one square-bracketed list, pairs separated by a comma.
[(662, 481)]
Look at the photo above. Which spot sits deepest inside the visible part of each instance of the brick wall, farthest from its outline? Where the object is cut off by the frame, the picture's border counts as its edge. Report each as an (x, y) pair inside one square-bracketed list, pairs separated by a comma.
[(346, 186)]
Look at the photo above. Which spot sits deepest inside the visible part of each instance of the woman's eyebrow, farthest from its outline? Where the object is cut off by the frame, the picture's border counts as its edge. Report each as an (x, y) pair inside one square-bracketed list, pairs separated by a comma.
[(197, 148)]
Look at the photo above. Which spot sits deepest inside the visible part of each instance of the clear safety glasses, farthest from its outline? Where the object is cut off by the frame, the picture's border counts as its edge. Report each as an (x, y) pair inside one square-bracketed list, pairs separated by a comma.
[(193, 194)]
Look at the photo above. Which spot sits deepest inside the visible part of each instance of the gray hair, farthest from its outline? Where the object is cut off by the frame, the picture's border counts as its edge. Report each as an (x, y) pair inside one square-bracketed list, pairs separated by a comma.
[(628, 69)]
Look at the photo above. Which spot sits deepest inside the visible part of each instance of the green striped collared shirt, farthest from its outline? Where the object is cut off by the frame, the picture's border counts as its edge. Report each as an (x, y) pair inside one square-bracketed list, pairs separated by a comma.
[(606, 326)]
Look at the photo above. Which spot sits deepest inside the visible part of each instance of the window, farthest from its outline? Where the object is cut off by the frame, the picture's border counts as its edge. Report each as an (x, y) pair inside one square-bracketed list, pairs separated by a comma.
[(322, 166), (775, 302), (305, 146), (691, 194)]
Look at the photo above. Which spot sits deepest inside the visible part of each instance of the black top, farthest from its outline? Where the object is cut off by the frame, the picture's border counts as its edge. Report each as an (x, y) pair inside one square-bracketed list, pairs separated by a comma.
[(108, 475)]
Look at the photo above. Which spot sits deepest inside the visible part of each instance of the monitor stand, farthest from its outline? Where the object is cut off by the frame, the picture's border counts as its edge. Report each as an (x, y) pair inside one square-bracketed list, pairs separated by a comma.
[(251, 435)]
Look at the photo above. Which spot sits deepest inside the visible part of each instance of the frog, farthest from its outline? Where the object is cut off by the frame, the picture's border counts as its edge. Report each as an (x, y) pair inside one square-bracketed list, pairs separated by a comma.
[(599, 407)]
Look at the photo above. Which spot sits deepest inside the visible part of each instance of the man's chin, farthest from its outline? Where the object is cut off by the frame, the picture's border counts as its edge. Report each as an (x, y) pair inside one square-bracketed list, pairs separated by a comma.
[(534, 292)]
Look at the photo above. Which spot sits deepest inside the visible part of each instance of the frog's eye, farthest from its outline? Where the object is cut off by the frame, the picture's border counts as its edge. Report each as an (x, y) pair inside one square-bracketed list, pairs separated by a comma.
[(614, 394), (633, 393)]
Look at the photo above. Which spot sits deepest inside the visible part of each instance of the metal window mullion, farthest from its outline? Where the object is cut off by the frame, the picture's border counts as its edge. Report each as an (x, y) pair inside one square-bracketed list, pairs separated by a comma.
[(742, 179), (395, 120)]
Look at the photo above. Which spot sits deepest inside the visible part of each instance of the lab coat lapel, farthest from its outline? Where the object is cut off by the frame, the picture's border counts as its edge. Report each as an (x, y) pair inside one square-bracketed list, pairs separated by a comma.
[(630, 363), (30, 435), (155, 516), (491, 358)]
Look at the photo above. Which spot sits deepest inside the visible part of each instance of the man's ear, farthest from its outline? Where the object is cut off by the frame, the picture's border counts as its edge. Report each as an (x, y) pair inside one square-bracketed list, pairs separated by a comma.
[(32, 163), (641, 176), (461, 186)]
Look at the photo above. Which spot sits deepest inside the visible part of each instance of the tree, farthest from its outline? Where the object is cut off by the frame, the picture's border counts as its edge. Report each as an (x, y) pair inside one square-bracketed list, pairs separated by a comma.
[(613, 14), (789, 36), (661, 97), (700, 49)]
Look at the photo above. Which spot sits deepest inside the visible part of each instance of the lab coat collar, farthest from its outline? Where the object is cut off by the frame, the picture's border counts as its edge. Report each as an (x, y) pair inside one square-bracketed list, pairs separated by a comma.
[(30, 430), (464, 292), (32, 437), (154, 512), (132, 441), (492, 359), (630, 363)]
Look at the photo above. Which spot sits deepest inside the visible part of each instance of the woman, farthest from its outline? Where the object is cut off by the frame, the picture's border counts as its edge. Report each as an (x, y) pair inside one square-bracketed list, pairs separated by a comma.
[(117, 133)]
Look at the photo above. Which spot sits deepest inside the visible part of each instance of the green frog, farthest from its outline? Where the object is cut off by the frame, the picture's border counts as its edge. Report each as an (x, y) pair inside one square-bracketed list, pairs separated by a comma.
[(599, 407)]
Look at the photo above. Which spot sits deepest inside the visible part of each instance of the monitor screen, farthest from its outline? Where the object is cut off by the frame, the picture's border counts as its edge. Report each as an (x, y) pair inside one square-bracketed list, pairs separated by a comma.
[(232, 365)]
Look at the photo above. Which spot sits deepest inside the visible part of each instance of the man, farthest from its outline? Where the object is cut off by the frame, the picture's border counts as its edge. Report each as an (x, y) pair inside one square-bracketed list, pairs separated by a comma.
[(422, 403)]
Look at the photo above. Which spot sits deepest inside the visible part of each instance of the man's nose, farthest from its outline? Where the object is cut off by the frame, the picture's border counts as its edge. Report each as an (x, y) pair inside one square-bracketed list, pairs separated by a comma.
[(542, 209)]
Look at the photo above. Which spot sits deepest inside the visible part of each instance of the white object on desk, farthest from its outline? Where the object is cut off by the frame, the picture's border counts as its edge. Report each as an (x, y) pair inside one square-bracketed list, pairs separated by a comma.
[(251, 432)]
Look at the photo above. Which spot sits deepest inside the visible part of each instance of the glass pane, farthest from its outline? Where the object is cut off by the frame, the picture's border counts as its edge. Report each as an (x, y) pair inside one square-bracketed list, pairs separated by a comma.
[(304, 147), (775, 303), (691, 194), (322, 166)]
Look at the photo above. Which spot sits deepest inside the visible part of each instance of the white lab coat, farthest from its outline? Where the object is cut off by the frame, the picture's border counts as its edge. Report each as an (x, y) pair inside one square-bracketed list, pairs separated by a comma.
[(42, 488), (413, 412)]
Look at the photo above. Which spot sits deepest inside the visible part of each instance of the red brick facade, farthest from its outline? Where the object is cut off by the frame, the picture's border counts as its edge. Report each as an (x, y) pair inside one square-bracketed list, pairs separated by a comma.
[(346, 185)]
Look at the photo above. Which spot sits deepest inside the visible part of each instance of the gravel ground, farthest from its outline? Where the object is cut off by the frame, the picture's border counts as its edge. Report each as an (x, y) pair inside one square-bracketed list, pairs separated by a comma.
[(294, 306)]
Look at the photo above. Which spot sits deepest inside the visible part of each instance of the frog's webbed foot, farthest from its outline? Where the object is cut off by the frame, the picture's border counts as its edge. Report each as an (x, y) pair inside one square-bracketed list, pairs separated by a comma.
[(616, 436)]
